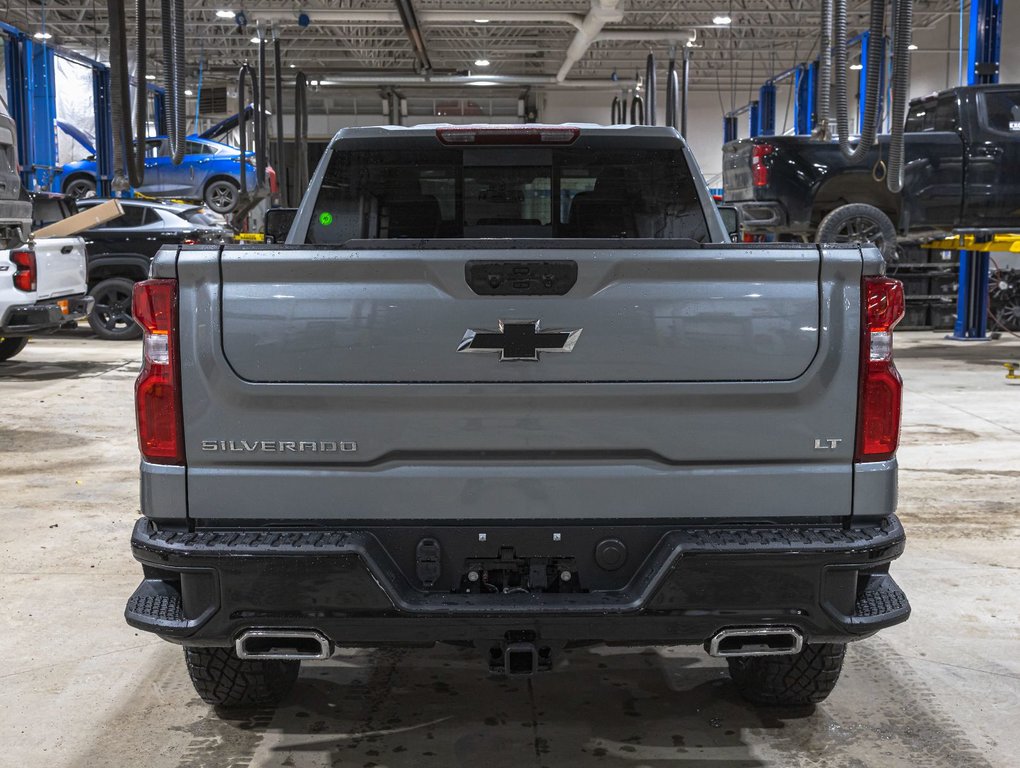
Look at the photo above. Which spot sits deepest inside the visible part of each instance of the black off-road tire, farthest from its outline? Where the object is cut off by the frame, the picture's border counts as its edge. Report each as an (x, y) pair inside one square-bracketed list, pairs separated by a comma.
[(10, 346), (111, 314), (859, 223), (224, 680), (804, 678)]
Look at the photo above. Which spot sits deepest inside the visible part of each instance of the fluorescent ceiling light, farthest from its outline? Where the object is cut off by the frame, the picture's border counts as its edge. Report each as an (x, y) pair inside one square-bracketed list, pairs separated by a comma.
[(483, 82), (912, 47), (150, 77), (481, 62), (255, 40), (856, 67), (481, 21), (188, 92), (722, 21), (225, 14), (293, 66), (42, 36)]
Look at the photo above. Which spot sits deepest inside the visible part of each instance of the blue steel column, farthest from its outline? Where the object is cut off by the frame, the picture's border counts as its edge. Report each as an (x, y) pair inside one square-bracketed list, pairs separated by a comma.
[(729, 128), (804, 98), (42, 115), (983, 49), (14, 59), (985, 42), (767, 109)]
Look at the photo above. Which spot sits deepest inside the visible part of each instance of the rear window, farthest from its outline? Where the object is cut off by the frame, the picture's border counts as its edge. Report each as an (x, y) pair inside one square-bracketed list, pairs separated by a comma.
[(133, 216), (1002, 111), (518, 192)]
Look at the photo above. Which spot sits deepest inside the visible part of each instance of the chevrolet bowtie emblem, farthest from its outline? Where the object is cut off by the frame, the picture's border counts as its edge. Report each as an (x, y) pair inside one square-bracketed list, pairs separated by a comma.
[(519, 340)]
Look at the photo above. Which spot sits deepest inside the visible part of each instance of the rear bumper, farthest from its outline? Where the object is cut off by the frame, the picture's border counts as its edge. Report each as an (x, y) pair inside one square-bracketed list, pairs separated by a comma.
[(358, 587), (45, 316)]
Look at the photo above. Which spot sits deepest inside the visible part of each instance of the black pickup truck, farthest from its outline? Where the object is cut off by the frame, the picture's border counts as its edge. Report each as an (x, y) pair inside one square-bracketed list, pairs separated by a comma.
[(962, 172)]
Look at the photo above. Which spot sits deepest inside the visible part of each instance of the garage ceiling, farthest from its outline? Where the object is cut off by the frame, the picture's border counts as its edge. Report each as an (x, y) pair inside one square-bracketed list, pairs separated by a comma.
[(528, 38)]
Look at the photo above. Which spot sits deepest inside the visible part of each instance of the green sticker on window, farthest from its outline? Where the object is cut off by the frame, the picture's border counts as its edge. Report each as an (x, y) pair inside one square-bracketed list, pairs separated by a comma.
[(325, 218)]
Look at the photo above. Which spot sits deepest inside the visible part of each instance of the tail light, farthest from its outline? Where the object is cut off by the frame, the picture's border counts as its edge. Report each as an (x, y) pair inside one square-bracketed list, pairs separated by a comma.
[(881, 388), (759, 168), (25, 274), (158, 389)]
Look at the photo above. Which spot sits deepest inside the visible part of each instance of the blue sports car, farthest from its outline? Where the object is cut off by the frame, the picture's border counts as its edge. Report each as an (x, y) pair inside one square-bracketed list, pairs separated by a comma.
[(210, 172)]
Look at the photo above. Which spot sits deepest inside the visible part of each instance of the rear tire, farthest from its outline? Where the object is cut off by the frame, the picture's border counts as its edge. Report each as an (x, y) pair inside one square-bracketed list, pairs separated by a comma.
[(10, 346), (804, 678), (222, 195), (111, 316), (859, 223), (224, 680), (80, 186)]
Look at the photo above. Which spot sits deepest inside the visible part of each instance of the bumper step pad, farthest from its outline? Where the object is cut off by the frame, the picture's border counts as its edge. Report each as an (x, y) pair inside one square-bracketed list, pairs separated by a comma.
[(880, 600)]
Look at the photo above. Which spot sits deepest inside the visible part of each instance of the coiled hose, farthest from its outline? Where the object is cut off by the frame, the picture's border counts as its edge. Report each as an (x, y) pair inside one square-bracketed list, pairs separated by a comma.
[(173, 74), (278, 105), (637, 110), (246, 73), (900, 83), (670, 94), (301, 131), (617, 111), (120, 93), (650, 88), (822, 129), (869, 125), (261, 144)]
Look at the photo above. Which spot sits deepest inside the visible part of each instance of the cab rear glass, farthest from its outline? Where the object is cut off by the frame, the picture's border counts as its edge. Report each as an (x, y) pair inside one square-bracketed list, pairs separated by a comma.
[(507, 192)]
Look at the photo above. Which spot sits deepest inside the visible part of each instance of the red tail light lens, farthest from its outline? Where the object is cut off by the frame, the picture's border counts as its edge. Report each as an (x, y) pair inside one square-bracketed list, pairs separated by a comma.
[(25, 274), (881, 388), (158, 389), (759, 168)]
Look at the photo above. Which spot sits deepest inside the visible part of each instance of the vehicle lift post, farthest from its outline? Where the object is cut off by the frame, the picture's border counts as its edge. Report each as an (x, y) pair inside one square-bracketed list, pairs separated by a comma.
[(983, 49)]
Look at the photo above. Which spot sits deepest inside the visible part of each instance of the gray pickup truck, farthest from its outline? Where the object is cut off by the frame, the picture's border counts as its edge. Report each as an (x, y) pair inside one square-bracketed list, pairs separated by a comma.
[(513, 388)]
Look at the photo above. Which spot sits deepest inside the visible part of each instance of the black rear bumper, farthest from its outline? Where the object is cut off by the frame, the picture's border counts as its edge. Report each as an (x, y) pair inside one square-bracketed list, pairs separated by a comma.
[(358, 587), (47, 315)]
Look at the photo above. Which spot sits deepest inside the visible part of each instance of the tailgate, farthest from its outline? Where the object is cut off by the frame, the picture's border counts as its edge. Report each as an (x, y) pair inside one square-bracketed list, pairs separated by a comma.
[(340, 384), (737, 180), (61, 265)]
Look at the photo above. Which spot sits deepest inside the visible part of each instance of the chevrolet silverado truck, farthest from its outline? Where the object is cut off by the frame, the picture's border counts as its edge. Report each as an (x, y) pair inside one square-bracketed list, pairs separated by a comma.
[(514, 388), (42, 280), (961, 155)]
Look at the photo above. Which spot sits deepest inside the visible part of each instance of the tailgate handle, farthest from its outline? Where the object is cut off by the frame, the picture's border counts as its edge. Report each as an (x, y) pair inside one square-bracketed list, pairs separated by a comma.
[(521, 278), (67, 249)]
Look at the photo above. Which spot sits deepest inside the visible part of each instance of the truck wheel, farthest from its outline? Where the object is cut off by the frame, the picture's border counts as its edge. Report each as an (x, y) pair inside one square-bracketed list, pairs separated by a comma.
[(804, 678), (859, 223), (80, 186), (10, 346), (224, 680), (111, 316), (222, 195)]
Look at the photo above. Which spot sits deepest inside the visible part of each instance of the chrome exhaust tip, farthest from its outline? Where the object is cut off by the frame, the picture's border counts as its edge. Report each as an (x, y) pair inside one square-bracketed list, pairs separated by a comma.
[(282, 644), (756, 641)]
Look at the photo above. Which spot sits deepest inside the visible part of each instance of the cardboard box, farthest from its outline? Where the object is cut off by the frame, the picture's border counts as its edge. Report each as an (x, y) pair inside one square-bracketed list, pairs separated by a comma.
[(93, 217)]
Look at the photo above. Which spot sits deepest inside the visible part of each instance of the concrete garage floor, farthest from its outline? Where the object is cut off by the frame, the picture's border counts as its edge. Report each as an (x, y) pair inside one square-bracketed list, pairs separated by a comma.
[(80, 688)]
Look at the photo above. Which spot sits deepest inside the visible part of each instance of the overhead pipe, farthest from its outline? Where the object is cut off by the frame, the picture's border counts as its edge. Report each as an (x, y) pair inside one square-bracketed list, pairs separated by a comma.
[(355, 80), (246, 73), (356, 16), (618, 110), (410, 21), (602, 12), (120, 93), (650, 87)]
